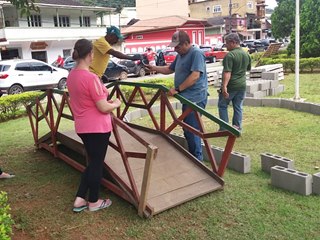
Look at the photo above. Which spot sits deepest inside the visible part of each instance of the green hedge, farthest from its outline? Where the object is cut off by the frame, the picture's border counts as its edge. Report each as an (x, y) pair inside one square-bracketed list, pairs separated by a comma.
[(127, 90), (12, 106), (6, 221), (306, 64)]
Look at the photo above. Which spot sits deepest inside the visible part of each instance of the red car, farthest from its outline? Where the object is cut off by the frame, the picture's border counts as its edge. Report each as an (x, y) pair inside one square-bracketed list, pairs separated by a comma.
[(169, 56), (212, 55)]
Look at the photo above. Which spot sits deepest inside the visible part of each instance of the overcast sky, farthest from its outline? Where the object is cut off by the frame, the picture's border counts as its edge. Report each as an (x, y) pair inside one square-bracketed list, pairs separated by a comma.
[(271, 3)]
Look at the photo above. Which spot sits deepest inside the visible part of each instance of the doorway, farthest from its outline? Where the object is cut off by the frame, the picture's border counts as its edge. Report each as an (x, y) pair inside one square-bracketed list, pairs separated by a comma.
[(40, 55)]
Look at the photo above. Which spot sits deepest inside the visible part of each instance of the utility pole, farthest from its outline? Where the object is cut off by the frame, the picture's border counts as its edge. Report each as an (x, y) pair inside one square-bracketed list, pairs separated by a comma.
[(230, 8)]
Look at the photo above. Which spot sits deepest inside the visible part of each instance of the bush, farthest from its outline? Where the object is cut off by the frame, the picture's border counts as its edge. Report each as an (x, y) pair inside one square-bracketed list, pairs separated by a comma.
[(5, 218), (127, 90), (306, 64), (11, 105)]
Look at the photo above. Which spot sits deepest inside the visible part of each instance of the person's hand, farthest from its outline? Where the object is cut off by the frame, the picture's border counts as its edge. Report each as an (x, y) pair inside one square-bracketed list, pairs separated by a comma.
[(149, 67), (116, 102), (136, 57), (172, 92), (225, 92)]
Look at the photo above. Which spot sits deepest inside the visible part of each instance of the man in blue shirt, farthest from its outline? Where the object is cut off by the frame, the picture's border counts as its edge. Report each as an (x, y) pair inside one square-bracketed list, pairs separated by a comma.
[(190, 81)]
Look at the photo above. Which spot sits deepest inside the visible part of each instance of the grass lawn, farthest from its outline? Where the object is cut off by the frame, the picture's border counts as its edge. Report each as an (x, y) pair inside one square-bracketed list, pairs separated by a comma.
[(42, 193)]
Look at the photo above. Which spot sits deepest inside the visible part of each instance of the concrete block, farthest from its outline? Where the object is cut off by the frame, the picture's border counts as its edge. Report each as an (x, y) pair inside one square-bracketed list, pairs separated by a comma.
[(252, 86), (274, 84), (238, 162), (264, 85), (269, 75), (289, 179), (315, 108), (212, 102), (288, 104), (259, 94), (268, 160), (271, 102), (276, 90), (303, 106), (316, 183), (253, 102)]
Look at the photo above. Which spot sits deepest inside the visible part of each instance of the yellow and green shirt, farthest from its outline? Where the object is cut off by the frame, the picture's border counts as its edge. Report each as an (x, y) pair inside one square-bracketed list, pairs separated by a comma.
[(100, 56)]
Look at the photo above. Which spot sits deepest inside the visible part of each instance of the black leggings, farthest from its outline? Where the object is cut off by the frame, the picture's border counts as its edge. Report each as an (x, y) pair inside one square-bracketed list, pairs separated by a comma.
[(96, 145)]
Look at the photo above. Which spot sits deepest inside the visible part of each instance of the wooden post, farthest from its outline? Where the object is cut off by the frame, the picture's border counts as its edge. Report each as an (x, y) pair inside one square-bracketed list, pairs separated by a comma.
[(151, 154)]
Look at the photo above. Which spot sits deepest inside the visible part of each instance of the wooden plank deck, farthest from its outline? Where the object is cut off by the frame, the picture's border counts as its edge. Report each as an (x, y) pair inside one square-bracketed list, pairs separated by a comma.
[(176, 177)]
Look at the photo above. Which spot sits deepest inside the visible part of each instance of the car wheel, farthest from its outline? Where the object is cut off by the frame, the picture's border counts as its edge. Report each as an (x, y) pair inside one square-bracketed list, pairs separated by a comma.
[(123, 75), (15, 89), (62, 83), (142, 72)]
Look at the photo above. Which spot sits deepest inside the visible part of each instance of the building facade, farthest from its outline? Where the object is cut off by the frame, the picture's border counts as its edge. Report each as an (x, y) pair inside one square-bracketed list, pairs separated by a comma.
[(156, 33), (51, 32), (149, 9)]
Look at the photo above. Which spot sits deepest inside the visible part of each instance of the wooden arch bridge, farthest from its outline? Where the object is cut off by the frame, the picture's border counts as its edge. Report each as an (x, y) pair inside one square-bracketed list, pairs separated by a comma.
[(144, 165)]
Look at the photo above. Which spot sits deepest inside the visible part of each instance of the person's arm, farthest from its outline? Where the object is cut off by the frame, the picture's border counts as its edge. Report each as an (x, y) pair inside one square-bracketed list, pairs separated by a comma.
[(121, 55), (105, 106), (160, 69), (225, 80), (190, 80)]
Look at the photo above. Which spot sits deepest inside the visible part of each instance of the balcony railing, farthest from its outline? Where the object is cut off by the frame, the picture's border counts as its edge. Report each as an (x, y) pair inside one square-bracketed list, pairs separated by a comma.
[(50, 33)]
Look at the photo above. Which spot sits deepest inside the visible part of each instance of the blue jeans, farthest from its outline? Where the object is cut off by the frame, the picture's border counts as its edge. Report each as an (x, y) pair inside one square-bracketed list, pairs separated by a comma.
[(236, 98), (194, 142)]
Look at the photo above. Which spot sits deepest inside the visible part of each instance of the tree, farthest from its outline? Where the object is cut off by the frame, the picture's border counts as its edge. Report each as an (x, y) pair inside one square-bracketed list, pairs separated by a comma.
[(25, 6), (283, 18), (309, 30)]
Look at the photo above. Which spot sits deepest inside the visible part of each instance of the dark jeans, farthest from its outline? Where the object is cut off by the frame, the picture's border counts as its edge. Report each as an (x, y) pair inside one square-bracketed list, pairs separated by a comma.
[(194, 142), (237, 98), (96, 145)]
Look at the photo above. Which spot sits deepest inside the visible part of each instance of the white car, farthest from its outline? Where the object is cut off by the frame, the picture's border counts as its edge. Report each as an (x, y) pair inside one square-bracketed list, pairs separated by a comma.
[(17, 76)]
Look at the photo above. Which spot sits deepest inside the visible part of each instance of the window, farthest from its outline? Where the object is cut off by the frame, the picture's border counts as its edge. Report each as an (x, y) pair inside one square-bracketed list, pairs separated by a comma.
[(35, 66), (85, 23), (250, 5), (4, 68), (235, 5), (217, 8), (34, 21), (23, 67), (64, 21)]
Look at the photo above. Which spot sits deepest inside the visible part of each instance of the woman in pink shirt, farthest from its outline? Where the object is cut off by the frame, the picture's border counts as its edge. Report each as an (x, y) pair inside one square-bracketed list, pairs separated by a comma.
[(91, 111)]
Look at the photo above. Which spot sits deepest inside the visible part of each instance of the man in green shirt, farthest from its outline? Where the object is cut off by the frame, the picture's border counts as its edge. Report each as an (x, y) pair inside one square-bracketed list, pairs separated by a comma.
[(235, 65)]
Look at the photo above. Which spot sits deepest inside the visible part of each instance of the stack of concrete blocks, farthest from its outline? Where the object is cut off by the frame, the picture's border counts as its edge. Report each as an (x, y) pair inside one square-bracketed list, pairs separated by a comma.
[(291, 180), (284, 176), (238, 162), (265, 81)]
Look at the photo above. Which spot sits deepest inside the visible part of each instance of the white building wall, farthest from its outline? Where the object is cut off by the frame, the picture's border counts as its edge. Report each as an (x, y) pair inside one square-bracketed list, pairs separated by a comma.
[(147, 9)]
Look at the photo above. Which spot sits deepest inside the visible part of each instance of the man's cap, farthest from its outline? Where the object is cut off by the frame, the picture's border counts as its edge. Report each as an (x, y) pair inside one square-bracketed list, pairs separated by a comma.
[(114, 30), (179, 37)]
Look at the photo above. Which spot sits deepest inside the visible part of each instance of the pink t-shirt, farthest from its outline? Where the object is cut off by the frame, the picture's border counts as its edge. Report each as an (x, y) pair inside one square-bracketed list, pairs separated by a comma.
[(85, 89)]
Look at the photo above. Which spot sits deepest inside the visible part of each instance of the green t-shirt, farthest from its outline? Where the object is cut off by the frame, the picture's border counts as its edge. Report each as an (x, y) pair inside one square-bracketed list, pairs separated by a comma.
[(237, 62)]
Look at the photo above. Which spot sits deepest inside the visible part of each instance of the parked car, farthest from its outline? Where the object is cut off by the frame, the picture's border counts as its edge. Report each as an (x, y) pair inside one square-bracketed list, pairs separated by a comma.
[(115, 71), (17, 76), (255, 46), (213, 55), (68, 64), (169, 56), (244, 47), (135, 67)]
